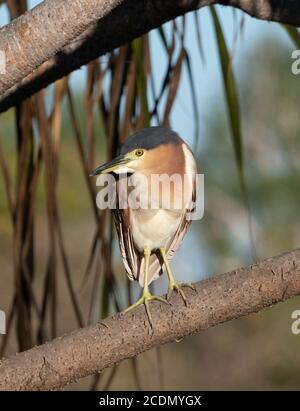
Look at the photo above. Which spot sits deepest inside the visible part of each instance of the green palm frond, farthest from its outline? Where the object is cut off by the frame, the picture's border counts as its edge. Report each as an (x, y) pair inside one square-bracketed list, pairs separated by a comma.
[(293, 33), (231, 94)]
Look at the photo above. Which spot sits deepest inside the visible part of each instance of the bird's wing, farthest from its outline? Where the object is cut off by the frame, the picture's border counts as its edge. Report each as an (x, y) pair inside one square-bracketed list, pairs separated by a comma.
[(130, 256), (175, 242)]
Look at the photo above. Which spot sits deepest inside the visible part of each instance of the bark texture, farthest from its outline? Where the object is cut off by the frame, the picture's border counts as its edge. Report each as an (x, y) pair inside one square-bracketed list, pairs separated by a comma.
[(34, 37), (216, 300), (65, 26), (284, 11)]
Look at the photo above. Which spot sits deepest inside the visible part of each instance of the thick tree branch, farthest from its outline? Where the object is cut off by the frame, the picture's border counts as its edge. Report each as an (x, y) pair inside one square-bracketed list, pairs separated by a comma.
[(129, 20), (34, 37), (216, 300), (283, 11)]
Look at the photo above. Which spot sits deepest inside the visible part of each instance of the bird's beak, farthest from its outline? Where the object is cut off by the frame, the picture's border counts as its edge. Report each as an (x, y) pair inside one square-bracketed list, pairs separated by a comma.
[(117, 165)]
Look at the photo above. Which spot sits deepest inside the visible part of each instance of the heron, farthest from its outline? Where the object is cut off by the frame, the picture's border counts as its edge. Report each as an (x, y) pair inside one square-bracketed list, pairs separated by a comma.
[(149, 236)]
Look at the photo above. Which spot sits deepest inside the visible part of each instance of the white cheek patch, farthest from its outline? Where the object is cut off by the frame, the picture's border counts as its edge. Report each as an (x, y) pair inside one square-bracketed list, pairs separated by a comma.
[(124, 170)]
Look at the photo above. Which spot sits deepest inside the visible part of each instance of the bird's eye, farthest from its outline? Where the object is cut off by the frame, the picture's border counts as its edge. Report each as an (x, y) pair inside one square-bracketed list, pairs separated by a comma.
[(139, 152)]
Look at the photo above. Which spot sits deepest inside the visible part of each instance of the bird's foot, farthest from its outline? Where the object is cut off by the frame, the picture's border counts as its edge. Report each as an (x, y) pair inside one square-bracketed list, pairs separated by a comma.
[(145, 299), (173, 286)]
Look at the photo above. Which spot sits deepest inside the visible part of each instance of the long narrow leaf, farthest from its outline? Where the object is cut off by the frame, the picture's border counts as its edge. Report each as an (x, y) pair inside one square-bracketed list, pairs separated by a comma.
[(293, 33), (231, 94), (137, 46)]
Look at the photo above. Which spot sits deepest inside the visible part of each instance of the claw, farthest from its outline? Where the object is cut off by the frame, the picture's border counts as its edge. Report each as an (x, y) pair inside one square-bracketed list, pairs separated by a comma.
[(103, 324), (191, 286), (178, 288), (145, 298)]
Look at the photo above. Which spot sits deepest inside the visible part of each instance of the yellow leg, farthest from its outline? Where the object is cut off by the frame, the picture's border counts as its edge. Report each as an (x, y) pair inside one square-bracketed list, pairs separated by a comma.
[(173, 285), (146, 296)]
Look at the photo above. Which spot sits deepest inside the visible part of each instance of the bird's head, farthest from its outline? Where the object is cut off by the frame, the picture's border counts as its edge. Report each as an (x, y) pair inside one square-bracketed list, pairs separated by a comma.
[(149, 149)]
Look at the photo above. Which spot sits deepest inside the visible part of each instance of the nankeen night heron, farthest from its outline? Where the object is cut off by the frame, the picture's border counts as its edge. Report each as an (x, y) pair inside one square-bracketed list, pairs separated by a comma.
[(149, 235)]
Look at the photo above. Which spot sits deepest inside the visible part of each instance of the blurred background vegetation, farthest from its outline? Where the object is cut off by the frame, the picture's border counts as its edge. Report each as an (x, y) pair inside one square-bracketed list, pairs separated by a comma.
[(59, 258)]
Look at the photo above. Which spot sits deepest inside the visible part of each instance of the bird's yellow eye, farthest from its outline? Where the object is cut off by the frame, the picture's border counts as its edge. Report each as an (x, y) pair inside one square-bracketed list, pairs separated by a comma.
[(139, 152)]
